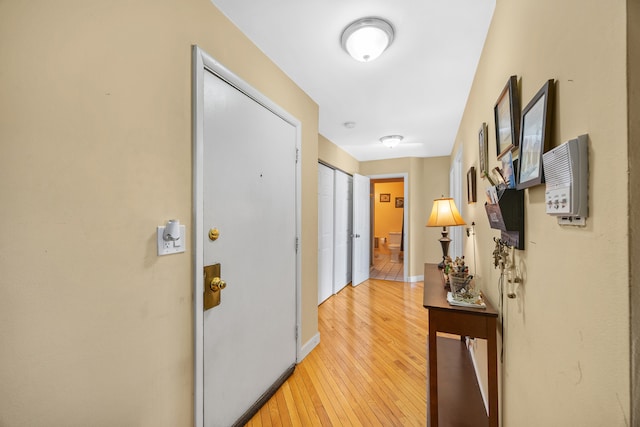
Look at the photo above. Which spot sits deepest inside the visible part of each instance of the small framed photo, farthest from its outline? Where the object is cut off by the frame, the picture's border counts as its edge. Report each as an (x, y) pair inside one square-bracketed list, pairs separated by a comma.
[(471, 185), (484, 150), (507, 117), (508, 170), (399, 202), (385, 197), (535, 134)]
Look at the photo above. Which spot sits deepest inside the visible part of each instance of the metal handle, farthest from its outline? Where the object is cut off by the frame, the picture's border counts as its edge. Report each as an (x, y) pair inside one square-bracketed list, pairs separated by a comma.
[(212, 286), (217, 284)]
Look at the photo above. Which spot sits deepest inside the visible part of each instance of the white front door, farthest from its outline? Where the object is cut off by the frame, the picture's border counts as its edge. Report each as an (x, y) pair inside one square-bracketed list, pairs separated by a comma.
[(248, 166), (361, 228)]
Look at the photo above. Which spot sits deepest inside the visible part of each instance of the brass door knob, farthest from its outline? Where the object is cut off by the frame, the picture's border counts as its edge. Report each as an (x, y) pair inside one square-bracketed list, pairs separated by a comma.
[(217, 284)]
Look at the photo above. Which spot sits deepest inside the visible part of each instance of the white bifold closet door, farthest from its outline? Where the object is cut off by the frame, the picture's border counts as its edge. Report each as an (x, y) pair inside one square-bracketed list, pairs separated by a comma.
[(342, 208), (325, 232), (335, 223)]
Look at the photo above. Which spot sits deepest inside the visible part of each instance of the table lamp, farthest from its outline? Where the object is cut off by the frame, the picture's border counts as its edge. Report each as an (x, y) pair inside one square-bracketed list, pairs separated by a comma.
[(444, 214)]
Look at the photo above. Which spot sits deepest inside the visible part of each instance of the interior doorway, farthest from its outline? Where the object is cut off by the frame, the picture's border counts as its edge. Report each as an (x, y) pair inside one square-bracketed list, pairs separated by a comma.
[(388, 229)]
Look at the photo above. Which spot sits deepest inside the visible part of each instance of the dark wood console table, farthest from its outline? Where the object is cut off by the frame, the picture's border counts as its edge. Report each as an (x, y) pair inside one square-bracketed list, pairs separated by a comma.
[(470, 322)]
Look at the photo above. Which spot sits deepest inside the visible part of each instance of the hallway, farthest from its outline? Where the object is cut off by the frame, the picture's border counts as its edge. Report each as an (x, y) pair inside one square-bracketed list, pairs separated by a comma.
[(369, 368)]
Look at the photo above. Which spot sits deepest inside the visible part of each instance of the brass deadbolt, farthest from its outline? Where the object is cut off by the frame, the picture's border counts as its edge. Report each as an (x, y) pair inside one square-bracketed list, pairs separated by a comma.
[(214, 233)]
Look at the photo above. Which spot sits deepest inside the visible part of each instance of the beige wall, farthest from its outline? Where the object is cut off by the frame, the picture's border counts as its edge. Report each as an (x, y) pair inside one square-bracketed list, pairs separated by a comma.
[(335, 156), (95, 134), (567, 333), (633, 71), (428, 178)]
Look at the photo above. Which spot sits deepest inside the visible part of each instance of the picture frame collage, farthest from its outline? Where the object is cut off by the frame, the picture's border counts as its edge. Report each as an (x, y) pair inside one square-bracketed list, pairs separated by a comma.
[(521, 137)]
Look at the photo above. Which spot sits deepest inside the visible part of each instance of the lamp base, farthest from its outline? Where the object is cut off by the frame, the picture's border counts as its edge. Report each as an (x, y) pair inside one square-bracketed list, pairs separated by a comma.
[(444, 242)]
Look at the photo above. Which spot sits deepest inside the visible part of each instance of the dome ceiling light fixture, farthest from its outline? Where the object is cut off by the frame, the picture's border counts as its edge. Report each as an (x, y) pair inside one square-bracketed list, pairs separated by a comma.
[(366, 38), (391, 140)]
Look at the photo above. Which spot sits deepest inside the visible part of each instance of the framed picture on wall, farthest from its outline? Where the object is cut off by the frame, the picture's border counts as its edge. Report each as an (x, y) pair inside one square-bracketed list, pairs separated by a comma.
[(507, 117), (484, 150), (399, 202), (385, 197), (471, 185), (535, 133)]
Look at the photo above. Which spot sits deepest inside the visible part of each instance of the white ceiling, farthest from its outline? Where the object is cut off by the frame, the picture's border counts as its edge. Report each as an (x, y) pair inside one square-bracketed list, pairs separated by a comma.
[(418, 88)]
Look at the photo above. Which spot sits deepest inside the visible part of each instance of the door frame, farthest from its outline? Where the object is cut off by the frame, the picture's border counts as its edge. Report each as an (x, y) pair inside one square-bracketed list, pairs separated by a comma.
[(405, 214), (201, 63)]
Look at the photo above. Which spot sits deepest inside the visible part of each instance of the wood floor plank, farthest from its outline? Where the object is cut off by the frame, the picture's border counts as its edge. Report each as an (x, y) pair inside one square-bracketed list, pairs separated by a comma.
[(340, 403), (346, 372), (369, 368), (289, 402), (282, 416), (265, 415), (303, 402), (318, 406)]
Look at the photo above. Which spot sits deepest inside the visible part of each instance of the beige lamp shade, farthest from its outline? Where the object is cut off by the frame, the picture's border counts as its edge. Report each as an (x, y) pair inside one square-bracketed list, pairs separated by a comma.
[(444, 213)]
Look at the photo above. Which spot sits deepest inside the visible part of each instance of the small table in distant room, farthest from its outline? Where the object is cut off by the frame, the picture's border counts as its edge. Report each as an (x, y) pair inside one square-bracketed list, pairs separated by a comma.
[(463, 321)]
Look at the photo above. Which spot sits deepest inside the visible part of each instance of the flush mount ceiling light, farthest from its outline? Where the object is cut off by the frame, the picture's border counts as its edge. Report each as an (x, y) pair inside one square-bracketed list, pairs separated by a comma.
[(366, 38), (391, 140)]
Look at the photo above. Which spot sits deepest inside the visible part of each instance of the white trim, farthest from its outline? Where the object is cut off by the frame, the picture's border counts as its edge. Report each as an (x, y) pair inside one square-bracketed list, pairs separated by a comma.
[(407, 204), (197, 99), (309, 346), (298, 127), (414, 279), (201, 61)]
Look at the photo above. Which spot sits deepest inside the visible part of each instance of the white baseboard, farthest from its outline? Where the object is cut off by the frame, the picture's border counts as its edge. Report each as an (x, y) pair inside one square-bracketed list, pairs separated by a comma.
[(475, 368), (308, 347), (414, 279)]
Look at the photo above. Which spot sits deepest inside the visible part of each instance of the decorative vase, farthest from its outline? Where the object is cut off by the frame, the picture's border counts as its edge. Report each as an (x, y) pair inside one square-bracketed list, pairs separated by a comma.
[(459, 283)]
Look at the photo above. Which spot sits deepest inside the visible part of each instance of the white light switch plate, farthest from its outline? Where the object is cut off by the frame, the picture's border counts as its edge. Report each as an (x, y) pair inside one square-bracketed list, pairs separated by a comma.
[(171, 247)]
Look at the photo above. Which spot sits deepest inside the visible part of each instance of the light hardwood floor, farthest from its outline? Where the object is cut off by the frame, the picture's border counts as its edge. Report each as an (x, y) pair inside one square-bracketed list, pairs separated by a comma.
[(369, 368)]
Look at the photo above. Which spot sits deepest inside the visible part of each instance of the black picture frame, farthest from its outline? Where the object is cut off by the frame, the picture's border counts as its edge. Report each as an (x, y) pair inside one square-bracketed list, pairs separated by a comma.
[(385, 197), (535, 136), (484, 150), (471, 185), (399, 202), (506, 114)]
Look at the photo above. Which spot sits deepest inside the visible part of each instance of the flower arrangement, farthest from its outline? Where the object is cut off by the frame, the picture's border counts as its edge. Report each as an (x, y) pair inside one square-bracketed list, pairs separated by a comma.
[(455, 267)]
